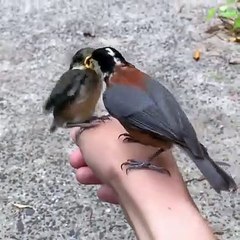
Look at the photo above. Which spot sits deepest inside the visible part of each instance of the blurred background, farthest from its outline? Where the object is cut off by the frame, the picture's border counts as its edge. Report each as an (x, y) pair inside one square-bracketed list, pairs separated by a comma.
[(160, 37)]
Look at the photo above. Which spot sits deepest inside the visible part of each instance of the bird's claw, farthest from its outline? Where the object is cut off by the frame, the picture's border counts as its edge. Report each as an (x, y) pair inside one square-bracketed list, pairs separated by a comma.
[(127, 138), (93, 122), (102, 118), (84, 125), (134, 164), (123, 135)]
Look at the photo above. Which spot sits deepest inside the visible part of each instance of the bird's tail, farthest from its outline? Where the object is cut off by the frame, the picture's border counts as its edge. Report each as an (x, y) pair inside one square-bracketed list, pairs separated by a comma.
[(215, 175)]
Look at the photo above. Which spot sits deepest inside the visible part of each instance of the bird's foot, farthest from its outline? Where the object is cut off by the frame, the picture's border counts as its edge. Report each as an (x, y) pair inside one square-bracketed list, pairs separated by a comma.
[(101, 118), (127, 138), (93, 122), (82, 125), (132, 164)]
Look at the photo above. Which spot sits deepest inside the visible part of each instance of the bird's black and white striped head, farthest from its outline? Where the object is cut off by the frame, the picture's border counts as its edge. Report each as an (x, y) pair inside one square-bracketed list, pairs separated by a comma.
[(103, 60)]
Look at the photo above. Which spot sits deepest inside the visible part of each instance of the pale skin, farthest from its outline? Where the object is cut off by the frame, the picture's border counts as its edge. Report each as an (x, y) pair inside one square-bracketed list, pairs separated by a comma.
[(156, 206)]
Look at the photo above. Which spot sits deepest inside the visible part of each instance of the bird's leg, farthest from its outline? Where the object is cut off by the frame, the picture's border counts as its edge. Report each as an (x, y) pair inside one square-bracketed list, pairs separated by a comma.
[(127, 138), (92, 122), (158, 152), (139, 164), (101, 118), (96, 120), (84, 125), (135, 164)]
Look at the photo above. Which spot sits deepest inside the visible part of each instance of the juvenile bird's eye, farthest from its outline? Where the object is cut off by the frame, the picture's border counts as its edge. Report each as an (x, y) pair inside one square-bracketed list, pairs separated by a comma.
[(88, 62)]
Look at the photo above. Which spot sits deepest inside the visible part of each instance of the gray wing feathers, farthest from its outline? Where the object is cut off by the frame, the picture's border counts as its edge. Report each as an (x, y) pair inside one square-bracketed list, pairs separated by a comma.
[(68, 85), (155, 110), (65, 89), (122, 101), (175, 116)]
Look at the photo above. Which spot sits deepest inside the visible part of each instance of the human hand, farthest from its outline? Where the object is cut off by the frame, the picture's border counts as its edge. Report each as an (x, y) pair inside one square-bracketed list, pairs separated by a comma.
[(153, 203), (103, 154), (85, 175)]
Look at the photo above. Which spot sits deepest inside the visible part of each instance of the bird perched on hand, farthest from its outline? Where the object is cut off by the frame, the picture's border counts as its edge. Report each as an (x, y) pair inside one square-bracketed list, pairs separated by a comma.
[(151, 115), (74, 98)]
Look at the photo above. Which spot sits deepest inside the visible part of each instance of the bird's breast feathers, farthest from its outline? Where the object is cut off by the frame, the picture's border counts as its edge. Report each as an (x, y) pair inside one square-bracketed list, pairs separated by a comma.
[(128, 76)]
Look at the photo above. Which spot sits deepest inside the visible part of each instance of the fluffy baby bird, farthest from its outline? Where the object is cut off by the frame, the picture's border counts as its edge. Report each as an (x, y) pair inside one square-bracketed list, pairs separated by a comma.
[(74, 98)]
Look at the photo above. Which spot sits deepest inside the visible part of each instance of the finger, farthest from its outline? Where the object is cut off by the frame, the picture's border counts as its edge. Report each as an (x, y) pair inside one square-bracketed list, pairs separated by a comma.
[(76, 159), (106, 194), (85, 175)]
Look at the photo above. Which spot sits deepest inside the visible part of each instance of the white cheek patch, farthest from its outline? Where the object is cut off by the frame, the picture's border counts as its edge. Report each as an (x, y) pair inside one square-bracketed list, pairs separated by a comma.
[(111, 53), (117, 61)]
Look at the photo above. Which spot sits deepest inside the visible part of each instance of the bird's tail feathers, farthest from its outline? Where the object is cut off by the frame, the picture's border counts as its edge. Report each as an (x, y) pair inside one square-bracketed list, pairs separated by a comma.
[(215, 175)]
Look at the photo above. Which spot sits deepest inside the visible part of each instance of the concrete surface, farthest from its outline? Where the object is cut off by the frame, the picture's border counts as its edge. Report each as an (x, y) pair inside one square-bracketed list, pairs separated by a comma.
[(36, 42)]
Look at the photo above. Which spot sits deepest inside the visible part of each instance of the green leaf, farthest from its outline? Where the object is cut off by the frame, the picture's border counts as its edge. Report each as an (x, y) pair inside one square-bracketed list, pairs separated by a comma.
[(231, 1), (211, 13), (223, 8), (237, 23), (229, 13)]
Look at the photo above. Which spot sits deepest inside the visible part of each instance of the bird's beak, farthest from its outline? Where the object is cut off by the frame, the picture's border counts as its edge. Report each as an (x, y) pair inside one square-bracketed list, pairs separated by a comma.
[(88, 62)]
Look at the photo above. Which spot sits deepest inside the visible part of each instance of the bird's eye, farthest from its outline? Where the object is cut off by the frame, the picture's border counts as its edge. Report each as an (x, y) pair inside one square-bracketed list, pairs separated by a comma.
[(88, 62)]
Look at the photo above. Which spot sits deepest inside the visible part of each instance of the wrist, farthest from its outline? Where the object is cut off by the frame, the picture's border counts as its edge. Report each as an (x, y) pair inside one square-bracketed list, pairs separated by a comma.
[(153, 202)]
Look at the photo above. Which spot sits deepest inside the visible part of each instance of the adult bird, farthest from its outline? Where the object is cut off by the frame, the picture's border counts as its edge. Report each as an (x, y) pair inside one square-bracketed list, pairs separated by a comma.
[(74, 98), (151, 115)]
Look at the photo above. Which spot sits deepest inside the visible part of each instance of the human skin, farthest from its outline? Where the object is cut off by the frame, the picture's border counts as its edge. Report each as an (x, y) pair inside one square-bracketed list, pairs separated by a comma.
[(156, 205)]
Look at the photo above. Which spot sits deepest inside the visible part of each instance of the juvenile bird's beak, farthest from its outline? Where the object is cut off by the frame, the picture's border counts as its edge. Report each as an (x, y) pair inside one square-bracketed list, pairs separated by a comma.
[(88, 62)]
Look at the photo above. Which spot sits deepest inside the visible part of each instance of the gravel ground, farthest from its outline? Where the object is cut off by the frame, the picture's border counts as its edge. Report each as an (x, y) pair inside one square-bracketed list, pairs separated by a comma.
[(36, 42)]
